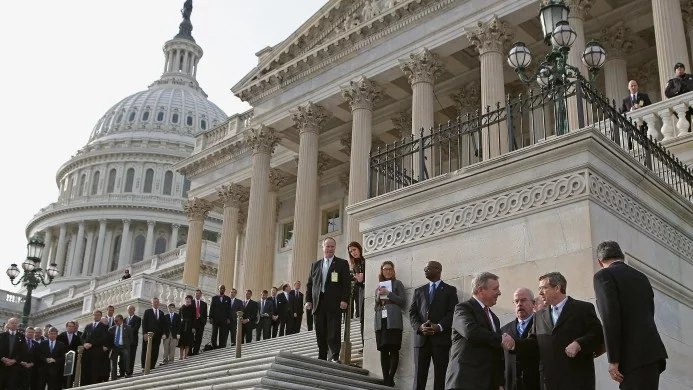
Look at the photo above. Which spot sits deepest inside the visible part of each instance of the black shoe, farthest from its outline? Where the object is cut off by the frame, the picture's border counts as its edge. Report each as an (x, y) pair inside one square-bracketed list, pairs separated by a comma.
[(335, 361)]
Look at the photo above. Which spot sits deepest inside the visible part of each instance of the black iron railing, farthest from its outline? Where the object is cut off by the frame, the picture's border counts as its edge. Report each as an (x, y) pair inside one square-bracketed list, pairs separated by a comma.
[(520, 122)]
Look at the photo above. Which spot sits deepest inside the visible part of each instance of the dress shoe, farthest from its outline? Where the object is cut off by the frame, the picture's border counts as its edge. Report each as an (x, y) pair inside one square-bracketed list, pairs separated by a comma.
[(335, 361)]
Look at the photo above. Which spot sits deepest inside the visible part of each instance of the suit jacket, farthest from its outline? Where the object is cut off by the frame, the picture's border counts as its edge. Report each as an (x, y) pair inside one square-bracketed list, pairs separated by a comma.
[(266, 311), (220, 309), (476, 355), (283, 309), (626, 305), (30, 355), (250, 311), (18, 347), (335, 292), (197, 322), (70, 346), (522, 371), (151, 324), (97, 337), (640, 97), (296, 303), (135, 323), (127, 336), (53, 370), (577, 322), (235, 307), (172, 328), (440, 311)]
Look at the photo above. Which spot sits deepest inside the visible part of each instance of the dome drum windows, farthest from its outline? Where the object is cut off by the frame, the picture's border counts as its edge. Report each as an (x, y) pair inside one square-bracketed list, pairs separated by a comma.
[(145, 116), (189, 120), (203, 124), (168, 182), (174, 118), (129, 180), (132, 116), (95, 182), (148, 181), (110, 187)]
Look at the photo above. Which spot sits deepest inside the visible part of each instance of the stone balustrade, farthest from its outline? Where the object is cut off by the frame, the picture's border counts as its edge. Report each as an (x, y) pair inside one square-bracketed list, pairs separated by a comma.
[(125, 199), (662, 124), (230, 127)]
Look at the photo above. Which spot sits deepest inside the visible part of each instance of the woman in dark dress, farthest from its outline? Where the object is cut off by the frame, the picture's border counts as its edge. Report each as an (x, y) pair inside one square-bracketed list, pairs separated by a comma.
[(389, 304), (357, 265), (187, 314)]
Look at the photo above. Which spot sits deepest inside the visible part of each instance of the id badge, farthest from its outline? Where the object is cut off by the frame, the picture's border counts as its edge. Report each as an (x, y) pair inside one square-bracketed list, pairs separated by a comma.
[(334, 277), (384, 315)]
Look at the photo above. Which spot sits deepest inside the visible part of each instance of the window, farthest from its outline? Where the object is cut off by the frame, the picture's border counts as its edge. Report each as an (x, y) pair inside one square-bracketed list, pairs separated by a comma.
[(331, 221), (186, 187), (82, 180), (145, 116), (95, 182), (174, 118), (111, 181), (148, 180), (132, 116), (203, 124), (116, 249), (189, 121), (287, 235), (139, 248), (160, 116), (160, 246), (168, 182), (129, 179)]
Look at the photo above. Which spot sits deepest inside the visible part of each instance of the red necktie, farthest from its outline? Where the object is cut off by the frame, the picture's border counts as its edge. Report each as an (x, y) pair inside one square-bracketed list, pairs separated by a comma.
[(197, 310)]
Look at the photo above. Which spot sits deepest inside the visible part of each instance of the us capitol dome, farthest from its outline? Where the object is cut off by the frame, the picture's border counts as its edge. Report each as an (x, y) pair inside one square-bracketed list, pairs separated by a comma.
[(120, 201)]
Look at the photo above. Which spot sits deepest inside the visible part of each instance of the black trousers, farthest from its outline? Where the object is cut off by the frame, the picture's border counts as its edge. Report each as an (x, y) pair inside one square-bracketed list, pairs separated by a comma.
[(328, 332), (27, 378), (120, 357), (199, 330), (156, 343), (131, 355), (220, 330), (275, 328), (284, 326), (309, 320), (643, 378), (232, 331), (248, 332), (263, 329), (422, 361)]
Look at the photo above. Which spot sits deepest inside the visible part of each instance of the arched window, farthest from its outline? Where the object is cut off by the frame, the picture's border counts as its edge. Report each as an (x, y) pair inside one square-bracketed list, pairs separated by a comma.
[(139, 248), (95, 182), (82, 181), (132, 116), (203, 124), (116, 251), (174, 118), (111, 181), (160, 116), (145, 116), (168, 182), (189, 121), (129, 179), (186, 187), (160, 245), (148, 181)]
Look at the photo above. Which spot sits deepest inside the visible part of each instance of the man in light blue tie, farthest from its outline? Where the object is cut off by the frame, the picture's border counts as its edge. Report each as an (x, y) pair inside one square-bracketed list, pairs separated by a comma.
[(120, 340), (52, 355), (521, 374)]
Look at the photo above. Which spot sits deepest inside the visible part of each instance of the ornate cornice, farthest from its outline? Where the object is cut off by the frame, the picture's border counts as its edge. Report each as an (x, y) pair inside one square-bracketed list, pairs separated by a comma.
[(492, 36), (197, 209), (362, 94), (233, 195), (617, 42), (278, 179), (262, 139), (579, 8), (222, 153), (326, 162), (310, 118), (422, 67)]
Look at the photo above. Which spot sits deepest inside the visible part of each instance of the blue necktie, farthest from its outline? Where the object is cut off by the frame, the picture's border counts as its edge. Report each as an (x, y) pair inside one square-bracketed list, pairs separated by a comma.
[(521, 327), (51, 347), (432, 293), (554, 314), (117, 337)]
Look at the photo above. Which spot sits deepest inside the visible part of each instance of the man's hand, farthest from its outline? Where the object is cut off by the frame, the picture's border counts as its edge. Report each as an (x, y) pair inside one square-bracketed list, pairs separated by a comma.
[(343, 305), (508, 342), (309, 306), (163, 337), (274, 318), (295, 315), (105, 349), (359, 277), (572, 349), (50, 360), (383, 291), (615, 373), (177, 337), (245, 321), (88, 345)]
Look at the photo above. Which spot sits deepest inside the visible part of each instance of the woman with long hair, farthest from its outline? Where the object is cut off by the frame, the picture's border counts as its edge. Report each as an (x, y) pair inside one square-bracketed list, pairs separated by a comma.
[(358, 273), (187, 315), (389, 303)]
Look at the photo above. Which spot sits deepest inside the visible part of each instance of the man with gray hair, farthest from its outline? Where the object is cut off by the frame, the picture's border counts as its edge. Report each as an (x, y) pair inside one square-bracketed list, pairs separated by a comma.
[(521, 374), (476, 356)]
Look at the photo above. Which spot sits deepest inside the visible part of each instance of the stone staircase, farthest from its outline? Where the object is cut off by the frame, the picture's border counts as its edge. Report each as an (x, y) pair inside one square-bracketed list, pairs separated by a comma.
[(288, 362)]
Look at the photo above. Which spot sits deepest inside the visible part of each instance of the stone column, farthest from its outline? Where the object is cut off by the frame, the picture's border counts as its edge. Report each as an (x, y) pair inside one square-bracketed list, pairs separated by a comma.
[(490, 40), (124, 257), (77, 257), (149, 243), (48, 241), (422, 68), (616, 41), (309, 120), (197, 210), (277, 180), (262, 140), (87, 264), (107, 252), (232, 197), (173, 244), (361, 96), (70, 253), (687, 13), (100, 256), (670, 39), (239, 267)]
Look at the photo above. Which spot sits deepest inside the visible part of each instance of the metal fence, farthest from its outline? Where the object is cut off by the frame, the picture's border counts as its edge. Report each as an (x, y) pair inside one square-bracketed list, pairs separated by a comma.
[(519, 122)]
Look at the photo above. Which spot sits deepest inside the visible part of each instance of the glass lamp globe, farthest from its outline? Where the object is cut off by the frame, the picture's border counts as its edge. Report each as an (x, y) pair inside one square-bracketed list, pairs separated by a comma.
[(563, 35), (52, 271), (544, 77), (29, 265), (594, 56), (519, 56), (13, 271), (550, 14)]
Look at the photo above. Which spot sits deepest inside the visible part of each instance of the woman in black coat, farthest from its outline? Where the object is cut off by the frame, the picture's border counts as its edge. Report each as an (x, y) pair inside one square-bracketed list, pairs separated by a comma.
[(357, 265), (187, 315)]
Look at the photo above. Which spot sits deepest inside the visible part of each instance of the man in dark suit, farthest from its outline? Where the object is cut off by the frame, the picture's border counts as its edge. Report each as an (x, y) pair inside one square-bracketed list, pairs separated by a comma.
[(110, 316), (236, 305), (296, 305), (250, 312), (52, 356), (220, 317), (71, 340), (265, 314), (635, 99), (476, 356), (12, 348), (119, 341), (566, 335), (28, 362), (284, 309), (327, 294), (171, 334), (275, 318), (625, 301), (153, 321), (430, 314), (521, 374), (199, 321), (95, 358), (134, 322)]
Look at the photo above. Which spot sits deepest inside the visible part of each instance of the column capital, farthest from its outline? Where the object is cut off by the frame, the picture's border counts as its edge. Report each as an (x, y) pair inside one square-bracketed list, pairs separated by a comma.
[(151, 223), (310, 118), (579, 8), (491, 36), (126, 222), (197, 209), (402, 123), (422, 67), (103, 221), (468, 98), (345, 140), (233, 195), (362, 93), (617, 42), (277, 179), (262, 139), (175, 226)]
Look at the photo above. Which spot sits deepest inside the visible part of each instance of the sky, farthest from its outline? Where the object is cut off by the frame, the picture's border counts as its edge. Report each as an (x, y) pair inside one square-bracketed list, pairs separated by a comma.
[(65, 63)]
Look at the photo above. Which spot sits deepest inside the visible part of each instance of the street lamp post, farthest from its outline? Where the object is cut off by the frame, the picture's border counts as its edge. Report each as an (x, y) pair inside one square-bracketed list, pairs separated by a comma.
[(33, 274), (554, 73)]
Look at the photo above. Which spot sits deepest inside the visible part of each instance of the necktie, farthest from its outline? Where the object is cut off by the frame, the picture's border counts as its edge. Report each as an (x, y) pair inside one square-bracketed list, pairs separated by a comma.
[(28, 341), (325, 269), (431, 292), (554, 314), (634, 97), (69, 338), (197, 309), (245, 303), (521, 328), (156, 314), (487, 311), (171, 315), (117, 337), (262, 306), (52, 346)]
